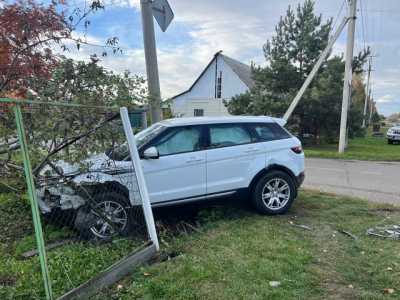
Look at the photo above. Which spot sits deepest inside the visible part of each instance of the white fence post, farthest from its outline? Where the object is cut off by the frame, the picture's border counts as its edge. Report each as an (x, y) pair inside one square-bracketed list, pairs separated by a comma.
[(148, 213)]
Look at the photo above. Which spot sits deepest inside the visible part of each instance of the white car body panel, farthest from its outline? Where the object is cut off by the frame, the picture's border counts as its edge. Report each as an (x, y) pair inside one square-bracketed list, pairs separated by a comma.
[(393, 133), (230, 168), (175, 176), (192, 175)]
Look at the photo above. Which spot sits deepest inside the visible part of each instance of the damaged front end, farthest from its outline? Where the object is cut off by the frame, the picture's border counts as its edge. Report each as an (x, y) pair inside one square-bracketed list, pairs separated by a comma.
[(64, 203), (57, 195)]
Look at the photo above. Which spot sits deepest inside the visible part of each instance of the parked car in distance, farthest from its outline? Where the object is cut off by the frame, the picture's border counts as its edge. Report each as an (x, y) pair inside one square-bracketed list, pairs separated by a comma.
[(393, 134), (186, 160)]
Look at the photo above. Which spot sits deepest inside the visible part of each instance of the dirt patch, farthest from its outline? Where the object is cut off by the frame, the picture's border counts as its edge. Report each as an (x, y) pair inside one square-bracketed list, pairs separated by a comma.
[(164, 256), (7, 280), (327, 249)]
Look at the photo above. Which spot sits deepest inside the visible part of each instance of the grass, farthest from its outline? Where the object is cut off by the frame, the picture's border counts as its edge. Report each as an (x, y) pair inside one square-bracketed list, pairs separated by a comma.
[(238, 252), (233, 254), (69, 265), (368, 148)]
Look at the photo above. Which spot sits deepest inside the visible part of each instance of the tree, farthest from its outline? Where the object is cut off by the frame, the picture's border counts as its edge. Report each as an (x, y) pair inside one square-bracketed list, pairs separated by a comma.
[(29, 31), (26, 31), (299, 39), (54, 129)]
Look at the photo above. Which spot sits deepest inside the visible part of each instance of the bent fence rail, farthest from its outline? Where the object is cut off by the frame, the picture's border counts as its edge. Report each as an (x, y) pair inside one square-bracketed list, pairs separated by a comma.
[(90, 210)]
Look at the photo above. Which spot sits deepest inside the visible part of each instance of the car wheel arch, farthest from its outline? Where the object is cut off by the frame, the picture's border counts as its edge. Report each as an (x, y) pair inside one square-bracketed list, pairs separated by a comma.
[(273, 167), (111, 186)]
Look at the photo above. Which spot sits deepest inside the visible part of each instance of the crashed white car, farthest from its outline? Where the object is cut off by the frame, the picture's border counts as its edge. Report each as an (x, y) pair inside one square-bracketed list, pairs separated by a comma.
[(393, 134), (184, 160)]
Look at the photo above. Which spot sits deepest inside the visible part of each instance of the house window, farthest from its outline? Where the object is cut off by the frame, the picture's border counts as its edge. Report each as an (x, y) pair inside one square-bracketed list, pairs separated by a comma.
[(219, 85), (198, 112)]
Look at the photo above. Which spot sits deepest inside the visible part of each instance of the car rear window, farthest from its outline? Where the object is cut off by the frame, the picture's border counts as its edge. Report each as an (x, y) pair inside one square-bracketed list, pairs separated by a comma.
[(228, 135), (270, 132)]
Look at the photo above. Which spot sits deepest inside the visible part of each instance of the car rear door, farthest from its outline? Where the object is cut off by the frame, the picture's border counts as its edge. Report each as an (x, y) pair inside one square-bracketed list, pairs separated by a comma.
[(231, 156), (180, 171)]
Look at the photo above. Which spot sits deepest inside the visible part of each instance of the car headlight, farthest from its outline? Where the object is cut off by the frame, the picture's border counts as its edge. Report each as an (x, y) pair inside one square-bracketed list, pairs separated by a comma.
[(390, 131)]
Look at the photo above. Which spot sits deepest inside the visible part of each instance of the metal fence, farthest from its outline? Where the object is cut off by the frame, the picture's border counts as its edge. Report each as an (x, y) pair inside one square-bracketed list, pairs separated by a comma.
[(91, 215)]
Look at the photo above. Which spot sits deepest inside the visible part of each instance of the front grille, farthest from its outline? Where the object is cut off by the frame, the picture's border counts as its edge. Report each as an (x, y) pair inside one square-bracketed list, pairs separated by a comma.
[(396, 131)]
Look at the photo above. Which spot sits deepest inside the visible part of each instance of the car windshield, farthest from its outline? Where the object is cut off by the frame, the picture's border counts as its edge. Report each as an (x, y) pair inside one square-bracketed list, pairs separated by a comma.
[(122, 151)]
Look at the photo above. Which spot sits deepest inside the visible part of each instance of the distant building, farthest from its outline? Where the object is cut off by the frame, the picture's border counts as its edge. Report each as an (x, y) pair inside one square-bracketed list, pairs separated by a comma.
[(223, 78)]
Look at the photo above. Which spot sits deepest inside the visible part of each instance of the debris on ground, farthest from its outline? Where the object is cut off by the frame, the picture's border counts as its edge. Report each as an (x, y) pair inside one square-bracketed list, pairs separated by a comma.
[(348, 234), (274, 283), (300, 226), (388, 231), (388, 291), (50, 246)]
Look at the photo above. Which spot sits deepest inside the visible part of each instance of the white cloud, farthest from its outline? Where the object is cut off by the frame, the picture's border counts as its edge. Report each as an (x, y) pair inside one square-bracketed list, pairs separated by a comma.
[(240, 28), (385, 99)]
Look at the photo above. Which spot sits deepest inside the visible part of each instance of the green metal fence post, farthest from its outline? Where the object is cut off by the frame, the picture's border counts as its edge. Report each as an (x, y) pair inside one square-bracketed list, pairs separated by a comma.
[(34, 204)]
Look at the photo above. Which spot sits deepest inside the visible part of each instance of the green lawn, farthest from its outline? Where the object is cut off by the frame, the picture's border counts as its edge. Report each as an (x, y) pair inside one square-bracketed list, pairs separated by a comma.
[(236, 253), (233, 254), (368, 148), (69, 265)]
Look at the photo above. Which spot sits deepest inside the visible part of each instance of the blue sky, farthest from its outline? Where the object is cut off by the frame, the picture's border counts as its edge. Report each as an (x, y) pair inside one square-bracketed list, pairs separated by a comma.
[(240, 28)]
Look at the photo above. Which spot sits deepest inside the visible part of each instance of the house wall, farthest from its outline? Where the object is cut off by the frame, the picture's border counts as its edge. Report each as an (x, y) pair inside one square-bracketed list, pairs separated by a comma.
[(211, 107), (202, 95)]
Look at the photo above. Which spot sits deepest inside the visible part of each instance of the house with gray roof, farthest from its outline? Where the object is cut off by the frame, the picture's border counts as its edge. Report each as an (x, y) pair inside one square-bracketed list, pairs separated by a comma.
[(222, 78)]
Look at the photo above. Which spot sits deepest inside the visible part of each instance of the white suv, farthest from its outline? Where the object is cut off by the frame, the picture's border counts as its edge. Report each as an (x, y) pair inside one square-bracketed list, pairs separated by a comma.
[(393, 134), (192, 159)]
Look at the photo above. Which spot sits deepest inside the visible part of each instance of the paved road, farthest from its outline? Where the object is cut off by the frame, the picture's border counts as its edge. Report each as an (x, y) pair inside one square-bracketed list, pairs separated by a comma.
[(375, 181)]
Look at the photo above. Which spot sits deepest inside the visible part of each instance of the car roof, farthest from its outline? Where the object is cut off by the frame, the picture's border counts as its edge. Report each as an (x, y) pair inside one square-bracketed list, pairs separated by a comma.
[(217, 120)]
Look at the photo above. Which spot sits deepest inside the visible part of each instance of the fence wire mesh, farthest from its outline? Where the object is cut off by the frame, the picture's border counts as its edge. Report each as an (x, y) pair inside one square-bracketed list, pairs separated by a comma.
[(87, 192)]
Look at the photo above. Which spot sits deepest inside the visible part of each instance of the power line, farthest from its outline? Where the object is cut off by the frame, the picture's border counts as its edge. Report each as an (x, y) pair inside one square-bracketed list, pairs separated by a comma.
[(363, 27), (338, 15)]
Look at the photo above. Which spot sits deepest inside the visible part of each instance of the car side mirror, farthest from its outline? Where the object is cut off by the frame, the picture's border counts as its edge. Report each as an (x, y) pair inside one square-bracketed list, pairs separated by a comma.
[(151, 153)]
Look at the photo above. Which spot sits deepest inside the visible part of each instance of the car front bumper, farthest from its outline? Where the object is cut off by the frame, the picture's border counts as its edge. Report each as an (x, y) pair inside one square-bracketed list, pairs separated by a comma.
[(394, 137)]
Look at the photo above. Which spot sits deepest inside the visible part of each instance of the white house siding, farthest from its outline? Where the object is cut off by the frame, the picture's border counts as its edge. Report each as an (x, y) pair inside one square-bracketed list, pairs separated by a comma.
[(202, 94), (211, 107)]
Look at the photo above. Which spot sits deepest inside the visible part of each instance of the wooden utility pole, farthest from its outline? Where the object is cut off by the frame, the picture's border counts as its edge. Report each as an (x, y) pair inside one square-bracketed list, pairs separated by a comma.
[(347, 75)]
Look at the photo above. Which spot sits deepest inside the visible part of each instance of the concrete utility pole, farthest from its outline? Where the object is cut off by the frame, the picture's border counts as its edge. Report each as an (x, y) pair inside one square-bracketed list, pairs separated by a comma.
[(367, 94), (347, 75), (371, 105), (150, 53), (314, 70)]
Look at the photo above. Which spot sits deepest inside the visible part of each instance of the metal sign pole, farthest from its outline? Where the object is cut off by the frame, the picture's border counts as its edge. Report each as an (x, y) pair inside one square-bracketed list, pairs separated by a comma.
[(34, 204), (148, 213)]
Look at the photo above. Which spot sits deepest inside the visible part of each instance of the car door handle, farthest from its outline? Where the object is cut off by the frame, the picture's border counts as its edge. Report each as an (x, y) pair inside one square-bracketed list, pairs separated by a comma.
[(194, 159), (250, 150)]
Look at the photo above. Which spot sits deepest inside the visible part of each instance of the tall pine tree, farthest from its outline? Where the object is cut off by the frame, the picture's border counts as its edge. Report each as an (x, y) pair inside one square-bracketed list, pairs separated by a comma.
[(300, 37)]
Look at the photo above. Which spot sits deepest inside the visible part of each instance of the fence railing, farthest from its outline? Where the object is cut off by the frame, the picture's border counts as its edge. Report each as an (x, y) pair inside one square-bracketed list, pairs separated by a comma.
[(90, 211)]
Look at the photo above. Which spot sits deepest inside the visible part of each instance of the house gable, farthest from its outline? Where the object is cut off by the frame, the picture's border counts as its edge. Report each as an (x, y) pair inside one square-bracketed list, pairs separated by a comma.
[(205, 83), (222, 71)]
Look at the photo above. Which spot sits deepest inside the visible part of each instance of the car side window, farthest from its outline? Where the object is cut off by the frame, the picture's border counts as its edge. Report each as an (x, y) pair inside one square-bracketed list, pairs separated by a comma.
[(270, 132), (228, 135), (179, 140)]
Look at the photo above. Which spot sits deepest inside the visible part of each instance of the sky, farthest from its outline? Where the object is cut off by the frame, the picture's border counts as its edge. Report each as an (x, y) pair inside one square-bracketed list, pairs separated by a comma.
[(239, 28)]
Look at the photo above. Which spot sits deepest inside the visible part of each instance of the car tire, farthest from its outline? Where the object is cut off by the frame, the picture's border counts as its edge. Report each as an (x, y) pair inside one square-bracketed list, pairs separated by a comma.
[(274, 193), (111, 204), (390, 142)]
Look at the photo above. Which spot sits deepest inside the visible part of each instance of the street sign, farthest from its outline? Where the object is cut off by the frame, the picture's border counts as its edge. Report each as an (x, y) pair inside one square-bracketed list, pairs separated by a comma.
[(163, 13)]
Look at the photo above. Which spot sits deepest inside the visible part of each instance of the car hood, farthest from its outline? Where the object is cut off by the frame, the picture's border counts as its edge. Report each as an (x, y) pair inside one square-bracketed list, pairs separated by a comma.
[(395, 128), (95, 163)]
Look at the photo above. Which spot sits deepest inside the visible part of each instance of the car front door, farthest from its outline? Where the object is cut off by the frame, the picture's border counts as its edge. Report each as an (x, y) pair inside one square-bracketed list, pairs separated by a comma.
[(180, 171), (230, 157)]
